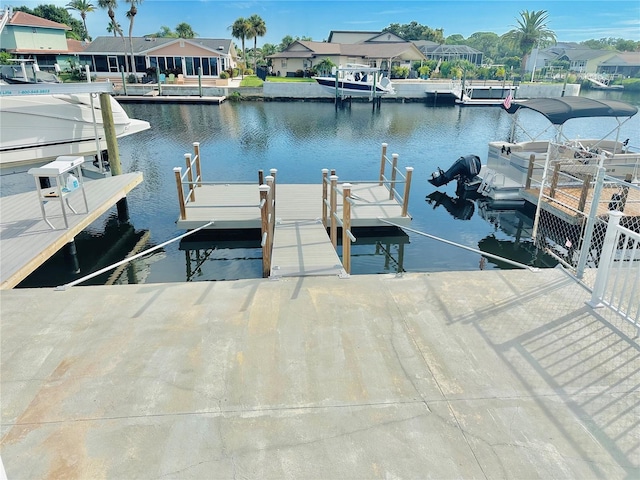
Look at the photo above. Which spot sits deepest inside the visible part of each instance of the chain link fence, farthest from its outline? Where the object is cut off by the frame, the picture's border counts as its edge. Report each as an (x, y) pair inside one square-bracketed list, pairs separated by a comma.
[(574, 198)]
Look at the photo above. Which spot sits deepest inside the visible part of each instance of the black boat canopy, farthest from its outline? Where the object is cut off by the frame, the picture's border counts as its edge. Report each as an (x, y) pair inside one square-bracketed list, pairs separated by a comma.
[(559, 110)]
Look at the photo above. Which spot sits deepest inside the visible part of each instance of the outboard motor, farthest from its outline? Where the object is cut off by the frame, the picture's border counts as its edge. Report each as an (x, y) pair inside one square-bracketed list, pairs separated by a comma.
[(465, 168)]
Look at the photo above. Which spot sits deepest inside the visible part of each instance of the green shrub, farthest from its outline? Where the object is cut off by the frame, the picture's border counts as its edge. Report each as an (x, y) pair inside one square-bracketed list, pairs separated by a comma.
[(132, 78), (631, 84), (224, 75), (248, 71), (399, 72), (235, 97)]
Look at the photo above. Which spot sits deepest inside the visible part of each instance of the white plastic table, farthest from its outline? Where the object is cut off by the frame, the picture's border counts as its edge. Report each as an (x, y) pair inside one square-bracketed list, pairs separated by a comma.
[(58, 169)]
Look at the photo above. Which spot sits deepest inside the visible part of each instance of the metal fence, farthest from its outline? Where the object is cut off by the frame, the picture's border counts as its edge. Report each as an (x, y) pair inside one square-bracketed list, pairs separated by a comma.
[(574, 201)]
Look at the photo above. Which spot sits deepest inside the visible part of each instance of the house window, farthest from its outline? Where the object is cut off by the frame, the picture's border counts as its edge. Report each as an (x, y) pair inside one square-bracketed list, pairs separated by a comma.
[(283, 63)]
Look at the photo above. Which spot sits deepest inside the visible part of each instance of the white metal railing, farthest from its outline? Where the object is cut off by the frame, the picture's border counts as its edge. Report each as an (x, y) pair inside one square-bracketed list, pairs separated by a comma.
[(617, 284)]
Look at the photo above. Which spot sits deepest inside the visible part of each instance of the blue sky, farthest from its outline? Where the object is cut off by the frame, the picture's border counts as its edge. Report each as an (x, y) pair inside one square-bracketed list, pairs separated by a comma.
[(571, 20)]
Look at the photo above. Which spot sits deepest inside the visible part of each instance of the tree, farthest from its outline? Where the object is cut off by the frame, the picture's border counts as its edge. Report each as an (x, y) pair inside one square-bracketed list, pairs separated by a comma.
[(113, 29), (131, 15), (455, 39), (286, 41), (531, 31), (240, 29), (258, 29), (110, 5), (325, 66), (416, 31), (83, 7), (184, 30), (166, 32)]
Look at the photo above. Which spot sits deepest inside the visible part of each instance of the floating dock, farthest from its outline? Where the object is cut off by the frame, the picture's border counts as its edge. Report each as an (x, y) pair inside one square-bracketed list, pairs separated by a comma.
[(301, 245), (27, 241)]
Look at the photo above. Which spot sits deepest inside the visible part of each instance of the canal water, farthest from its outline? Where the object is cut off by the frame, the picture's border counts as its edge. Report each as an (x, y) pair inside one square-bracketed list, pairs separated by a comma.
[(300, 139)]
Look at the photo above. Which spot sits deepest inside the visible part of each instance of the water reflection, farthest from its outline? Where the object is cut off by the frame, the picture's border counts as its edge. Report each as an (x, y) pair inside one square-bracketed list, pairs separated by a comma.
[(96, 250), (511, 237), (236, 254)]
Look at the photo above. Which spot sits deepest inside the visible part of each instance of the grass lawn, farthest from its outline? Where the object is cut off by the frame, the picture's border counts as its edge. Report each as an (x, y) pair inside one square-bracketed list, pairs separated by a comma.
[(254, 81), (290, 79)]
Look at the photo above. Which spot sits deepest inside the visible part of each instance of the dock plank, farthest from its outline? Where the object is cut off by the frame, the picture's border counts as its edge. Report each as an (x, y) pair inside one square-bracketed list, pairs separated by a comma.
[(26, 241), (302, 248)]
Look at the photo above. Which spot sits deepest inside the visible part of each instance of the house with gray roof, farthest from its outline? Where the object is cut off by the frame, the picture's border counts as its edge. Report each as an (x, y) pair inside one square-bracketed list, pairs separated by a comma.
[(106, 56), (31, 37), (376, 49), (626, 64)]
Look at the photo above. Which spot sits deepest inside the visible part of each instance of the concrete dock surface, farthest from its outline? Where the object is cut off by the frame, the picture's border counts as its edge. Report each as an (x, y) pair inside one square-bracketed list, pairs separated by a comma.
[(487, 374)]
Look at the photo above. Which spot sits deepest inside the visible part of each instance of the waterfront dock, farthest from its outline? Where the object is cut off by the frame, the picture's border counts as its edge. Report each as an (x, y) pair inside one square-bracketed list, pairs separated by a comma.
[(27, 241), (188, 99), (484, 374)]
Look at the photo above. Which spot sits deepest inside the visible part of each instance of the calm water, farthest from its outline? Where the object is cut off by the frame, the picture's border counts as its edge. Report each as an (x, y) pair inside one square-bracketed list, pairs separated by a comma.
[(300, 139)]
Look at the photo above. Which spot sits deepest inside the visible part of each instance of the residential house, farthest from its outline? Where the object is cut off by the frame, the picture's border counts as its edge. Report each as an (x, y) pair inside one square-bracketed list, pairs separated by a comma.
[(376, 49), (626, 64), (106, 56), (30, 37), (581, 59)]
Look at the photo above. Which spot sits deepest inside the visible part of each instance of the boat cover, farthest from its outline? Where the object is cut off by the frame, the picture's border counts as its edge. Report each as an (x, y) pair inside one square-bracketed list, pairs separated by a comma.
[(559, 110)]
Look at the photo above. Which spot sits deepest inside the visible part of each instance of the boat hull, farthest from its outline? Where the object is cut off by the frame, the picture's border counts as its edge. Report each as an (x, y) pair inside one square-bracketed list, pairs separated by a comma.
[(352, 88), (38, 128)]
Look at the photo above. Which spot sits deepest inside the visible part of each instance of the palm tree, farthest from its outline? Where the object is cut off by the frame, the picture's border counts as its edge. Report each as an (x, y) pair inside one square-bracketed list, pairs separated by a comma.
[(131, 15), (113, 29), (110, 5), (258, 29), (240, 29), (184, 30), (84, 7), (531, 31)]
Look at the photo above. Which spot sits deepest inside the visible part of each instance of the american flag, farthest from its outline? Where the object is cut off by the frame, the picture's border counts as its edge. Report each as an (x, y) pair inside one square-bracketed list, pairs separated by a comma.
[(507, 102)]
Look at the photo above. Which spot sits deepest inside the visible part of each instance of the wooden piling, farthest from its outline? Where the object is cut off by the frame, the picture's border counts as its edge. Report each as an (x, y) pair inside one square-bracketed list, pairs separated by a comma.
[(407, 190), (325, 174), (183, 209), (554, 180), (110, 134), (264, 215), (346, 227), (333, 210), (394, 168), (383, 160), (192, 193), (196, 151), (583, 193), (532, 159)]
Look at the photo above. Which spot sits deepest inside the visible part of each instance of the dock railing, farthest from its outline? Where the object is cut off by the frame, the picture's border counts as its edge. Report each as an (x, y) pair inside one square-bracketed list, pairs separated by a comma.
[(192, 178), (330, 191), (390, 183), (618, 276)]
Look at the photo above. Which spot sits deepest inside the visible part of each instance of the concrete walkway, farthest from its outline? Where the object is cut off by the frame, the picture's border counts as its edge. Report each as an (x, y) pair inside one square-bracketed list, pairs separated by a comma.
[(488, 374)]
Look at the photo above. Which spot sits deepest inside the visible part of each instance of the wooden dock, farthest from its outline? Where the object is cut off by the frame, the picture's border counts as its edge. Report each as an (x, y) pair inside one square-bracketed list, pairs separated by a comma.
[(188, 99), (301, 245), (26, 241)]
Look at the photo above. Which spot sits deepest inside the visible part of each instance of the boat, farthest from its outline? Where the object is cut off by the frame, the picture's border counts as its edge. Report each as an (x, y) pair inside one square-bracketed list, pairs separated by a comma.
[(39, 124), (506, 172), (355, 80)]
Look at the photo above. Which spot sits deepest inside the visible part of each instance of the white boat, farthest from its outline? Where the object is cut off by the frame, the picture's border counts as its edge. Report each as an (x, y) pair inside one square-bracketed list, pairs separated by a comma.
[(356, 80), (506, 172), (37, 128)]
